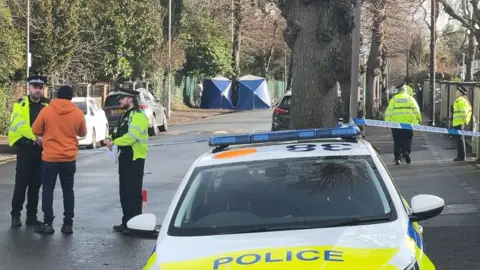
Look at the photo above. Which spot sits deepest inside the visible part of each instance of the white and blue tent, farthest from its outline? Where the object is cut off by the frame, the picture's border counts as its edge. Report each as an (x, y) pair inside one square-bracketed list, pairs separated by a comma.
[(253, 93), (217, 93)]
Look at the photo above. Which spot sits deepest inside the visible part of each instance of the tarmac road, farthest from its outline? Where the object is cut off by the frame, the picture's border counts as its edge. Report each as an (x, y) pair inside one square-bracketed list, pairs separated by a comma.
[(94, 245), (451, 239)]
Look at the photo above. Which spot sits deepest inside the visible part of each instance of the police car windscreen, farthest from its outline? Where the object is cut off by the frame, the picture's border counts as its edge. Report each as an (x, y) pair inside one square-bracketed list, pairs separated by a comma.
[(318, 191)]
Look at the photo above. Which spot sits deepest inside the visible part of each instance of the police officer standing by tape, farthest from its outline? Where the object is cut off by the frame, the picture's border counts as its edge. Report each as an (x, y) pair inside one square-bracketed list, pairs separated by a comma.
[(403, 108), (29, 151), (462, 114), (131, 138)]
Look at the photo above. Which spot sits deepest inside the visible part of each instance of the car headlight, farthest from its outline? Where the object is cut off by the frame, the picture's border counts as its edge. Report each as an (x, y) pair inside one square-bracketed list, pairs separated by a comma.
[(413, 266)]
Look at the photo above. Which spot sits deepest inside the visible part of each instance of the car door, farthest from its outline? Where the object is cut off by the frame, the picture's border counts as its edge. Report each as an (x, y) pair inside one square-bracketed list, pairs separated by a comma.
[(93, 115), (100, 119), (157, 107), (148, 99)]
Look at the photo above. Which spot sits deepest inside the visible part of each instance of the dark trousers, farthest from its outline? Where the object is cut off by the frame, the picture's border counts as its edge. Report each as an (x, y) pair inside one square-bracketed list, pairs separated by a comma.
[(460, 143), (402, 142), (27, 176), (131, 183), (66, 172)]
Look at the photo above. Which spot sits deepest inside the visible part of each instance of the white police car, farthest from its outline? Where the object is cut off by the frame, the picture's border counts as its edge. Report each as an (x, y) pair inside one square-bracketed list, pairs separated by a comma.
[(304, 199)]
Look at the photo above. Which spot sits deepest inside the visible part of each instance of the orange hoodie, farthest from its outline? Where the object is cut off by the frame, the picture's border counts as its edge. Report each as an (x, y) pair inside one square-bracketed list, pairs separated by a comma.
[(59, 124)]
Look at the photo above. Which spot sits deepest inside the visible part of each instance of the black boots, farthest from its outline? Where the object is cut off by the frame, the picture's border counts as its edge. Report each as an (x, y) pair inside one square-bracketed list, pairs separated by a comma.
[(45, 228), (16, 222), (31, 221)]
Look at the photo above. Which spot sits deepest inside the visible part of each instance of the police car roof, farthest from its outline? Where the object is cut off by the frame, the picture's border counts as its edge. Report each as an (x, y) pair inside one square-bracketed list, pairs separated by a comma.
[(285, 150), (117, 91), (81, 99)]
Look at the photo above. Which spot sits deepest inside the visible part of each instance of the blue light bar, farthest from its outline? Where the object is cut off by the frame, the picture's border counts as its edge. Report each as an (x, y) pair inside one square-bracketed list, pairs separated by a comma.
[(288, 135)]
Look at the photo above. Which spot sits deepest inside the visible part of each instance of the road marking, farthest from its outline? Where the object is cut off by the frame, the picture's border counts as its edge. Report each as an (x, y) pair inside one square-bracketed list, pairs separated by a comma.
[(456, 209), (221, 132)]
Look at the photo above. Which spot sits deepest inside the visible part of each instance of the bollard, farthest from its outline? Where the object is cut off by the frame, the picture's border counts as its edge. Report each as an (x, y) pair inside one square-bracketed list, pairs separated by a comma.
[(144, 198)]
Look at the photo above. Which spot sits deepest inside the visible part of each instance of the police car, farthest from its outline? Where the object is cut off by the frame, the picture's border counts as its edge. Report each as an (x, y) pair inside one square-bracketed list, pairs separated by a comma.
[(304, 199)]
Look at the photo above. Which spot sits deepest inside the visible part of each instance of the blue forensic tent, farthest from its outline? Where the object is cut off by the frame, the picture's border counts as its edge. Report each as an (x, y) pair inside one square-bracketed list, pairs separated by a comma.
[(216, 93), (253, 93)]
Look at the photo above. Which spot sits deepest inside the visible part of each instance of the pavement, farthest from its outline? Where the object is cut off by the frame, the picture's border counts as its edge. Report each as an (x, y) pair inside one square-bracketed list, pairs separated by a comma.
[(450, 238)]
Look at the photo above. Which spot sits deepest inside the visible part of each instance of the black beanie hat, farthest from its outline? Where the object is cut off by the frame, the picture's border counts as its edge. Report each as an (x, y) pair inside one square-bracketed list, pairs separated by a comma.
[(65, 92)]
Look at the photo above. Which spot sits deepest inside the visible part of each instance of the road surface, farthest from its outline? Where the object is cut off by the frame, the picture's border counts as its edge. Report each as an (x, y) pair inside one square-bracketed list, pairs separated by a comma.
[(451, 239)]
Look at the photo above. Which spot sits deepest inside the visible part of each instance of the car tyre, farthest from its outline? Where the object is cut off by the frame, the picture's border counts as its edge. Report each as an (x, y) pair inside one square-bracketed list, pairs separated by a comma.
[(94, 141), (153, 131), (164, 126)]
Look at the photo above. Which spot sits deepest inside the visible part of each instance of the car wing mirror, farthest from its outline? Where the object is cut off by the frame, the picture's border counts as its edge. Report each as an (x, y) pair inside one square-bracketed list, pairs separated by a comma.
[(426, 207), (143, 225)]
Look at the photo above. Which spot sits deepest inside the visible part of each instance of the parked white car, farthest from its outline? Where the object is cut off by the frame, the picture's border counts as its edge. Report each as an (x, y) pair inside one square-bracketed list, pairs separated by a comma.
[(97, 123)]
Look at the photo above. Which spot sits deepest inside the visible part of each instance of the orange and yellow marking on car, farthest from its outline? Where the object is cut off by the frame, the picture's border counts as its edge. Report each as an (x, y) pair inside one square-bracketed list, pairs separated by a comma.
[(236, 153)]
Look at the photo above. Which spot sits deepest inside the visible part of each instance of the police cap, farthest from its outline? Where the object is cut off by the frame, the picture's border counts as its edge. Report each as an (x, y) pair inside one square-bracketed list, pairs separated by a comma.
[(124, 92), (37, 80), (401, 86), (462, 89)]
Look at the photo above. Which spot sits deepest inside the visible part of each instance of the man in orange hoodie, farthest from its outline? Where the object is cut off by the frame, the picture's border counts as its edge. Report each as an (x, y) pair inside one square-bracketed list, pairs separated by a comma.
[(60, 125)]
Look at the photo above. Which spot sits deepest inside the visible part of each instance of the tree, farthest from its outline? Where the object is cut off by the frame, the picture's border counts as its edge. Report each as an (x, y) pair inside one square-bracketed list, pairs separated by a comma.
[(387, 25), (468, 15), (207, 51), (11, 45), (131, 31), (375, 60), (319, 35), (54, 38)]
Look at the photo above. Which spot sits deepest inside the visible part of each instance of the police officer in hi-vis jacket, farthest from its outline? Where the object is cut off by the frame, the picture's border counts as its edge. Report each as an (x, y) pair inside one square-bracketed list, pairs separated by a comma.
[(403, 108), (29, 151), (131, 138), (462, 114)]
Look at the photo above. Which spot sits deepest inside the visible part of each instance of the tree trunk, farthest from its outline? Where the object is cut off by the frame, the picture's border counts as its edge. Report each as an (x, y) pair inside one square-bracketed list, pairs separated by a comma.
[(319, 34), (237, 14), (384, 79), (375, 59), (267, 56), (470, 57)]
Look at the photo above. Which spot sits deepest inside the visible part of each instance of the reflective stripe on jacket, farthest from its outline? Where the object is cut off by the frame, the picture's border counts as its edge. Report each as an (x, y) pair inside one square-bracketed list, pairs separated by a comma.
[(403, 108), (20, 121), (462, 111), (136, 136)]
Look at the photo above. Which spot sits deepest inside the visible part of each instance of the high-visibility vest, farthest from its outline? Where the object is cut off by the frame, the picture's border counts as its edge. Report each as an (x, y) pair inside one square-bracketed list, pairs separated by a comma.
[(409, 90), (20, 121), (132, 131), (403, 108), (462, 111)]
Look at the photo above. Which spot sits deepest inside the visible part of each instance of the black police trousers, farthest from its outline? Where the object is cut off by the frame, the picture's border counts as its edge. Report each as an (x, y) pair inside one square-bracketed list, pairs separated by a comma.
[(27, 179), (402, 142), (131, 182), (460, 143)]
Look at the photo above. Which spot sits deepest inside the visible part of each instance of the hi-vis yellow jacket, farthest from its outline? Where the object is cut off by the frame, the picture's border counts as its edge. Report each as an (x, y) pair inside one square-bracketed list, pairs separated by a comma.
[(20, 121), (132, 131), (403, 108), (462, 111)]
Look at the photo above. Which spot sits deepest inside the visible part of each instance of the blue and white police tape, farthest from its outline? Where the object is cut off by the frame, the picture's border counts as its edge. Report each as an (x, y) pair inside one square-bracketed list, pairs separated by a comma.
[(155, 145), (378, 123)]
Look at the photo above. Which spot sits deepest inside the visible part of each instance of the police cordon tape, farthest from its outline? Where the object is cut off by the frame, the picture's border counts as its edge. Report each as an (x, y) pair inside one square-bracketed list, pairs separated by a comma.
[(353, 121), (156, 145), (379, 123)]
